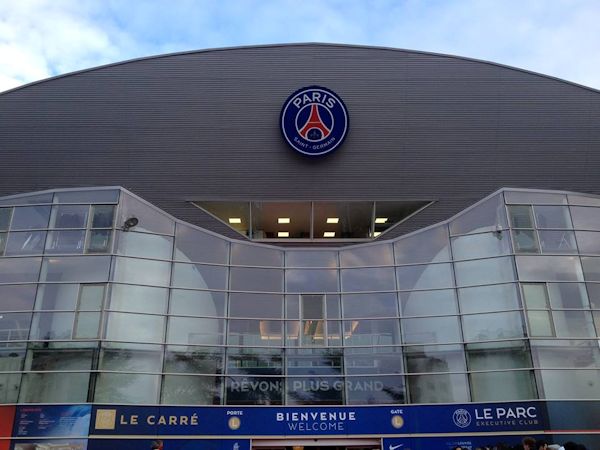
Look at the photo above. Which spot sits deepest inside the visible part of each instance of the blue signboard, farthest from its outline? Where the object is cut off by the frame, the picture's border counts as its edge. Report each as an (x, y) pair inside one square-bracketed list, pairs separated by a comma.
[(169, 444), (52, 421), (318, 421)]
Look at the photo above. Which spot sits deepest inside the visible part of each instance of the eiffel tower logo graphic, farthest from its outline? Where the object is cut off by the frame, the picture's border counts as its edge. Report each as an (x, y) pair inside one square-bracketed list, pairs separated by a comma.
[(314, 129)]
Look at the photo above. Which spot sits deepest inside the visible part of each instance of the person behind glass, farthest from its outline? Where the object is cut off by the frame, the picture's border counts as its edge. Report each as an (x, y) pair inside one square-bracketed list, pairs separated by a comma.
[(528, 443)]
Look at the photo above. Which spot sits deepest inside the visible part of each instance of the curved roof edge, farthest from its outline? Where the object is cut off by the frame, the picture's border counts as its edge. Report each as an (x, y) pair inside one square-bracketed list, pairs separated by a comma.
[(298, 44)]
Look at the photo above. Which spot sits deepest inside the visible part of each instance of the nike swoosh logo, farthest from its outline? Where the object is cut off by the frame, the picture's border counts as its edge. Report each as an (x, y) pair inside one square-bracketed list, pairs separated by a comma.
[(394, 447)]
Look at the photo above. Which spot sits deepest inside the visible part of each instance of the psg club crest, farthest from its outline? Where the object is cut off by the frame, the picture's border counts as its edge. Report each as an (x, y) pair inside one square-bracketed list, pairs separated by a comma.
[(314, 121)]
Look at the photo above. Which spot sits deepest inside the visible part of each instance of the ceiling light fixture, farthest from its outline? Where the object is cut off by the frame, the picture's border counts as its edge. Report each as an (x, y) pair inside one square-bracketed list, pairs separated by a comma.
[(329, 234), (333, 219), (381, 219), (235, 220), (283, 220), (283, 234)]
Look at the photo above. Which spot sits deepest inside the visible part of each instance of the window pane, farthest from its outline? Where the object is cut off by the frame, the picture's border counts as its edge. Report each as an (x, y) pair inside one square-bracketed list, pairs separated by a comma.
[(90, 269), (498, 355), (87, 196), (255, 255), (14, 326), (485, 271), (370, 305), (59, 359), (371, 332), (5, 215), (573, 324), (440, 388), (311, 258), (50, 326), (197, 303), (314, 361), (525, 241), (19, 270), (9, 387), (27, 199), (256, 279), (3, 238), (481, 245), (314, 391), (373, 279), (266, 215), (255, 332), (497, 297), (187, 330), (17, 297), (541, 198), (535, 295), (99, 241), (256, 305), (30, 217), (193, 245), (367, 361), (540, 323), (191, 390), (435, 358), (64, 242), (487, 216), (583, 200), (503, 386), (199, 276), (125, 388), (571, 384), (375, 390), (254, 361), (254, 391), (354, 219), (594, 293), (307, 280), (425, 276), (150, 219), (423, 247), (552, 217), (431, 330), (25, 243), (568, 295), (368, 255), (87, 325), (568, 354), (54, 388), (520, 216), (184, 359), (428, 303), (70, 216), (134, 327), (586, 218), (550, 268), (483, 327), (91, 297), (142, 299), (588, 242), (557, 241), (142, 358), (142, 271), (102, 216), (144, 245)]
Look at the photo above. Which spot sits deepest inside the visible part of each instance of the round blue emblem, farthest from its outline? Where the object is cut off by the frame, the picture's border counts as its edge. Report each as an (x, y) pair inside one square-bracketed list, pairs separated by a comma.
[(314, 121)]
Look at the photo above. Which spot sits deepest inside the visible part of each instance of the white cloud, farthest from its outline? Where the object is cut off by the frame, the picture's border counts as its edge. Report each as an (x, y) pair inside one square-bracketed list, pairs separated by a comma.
[(41, 38)]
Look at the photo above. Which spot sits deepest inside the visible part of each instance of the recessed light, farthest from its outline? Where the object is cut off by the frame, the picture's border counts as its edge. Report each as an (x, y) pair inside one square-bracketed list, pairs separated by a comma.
[(283, 234), (333, 219), (376, 233), (283, 220), (235, 220), (329, 234), (381, 219)]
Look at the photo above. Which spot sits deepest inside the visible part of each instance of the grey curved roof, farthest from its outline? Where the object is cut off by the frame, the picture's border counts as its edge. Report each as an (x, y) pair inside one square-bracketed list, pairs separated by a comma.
[(204, 125)]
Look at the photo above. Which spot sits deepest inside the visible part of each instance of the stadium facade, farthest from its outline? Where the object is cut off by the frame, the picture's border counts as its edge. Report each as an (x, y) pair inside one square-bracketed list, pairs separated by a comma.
[(299, 246)]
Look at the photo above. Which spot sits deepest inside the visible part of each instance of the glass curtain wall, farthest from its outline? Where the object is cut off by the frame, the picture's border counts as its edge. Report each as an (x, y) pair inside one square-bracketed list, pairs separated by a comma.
[(502, 302)]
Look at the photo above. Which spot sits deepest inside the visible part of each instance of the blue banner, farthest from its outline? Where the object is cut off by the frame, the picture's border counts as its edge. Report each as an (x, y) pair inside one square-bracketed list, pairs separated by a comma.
[(52, 421), (169, 444), (318, 421)]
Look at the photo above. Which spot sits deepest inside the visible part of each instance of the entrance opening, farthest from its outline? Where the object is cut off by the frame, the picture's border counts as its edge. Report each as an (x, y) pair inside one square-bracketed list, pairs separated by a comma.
[(317, 444)]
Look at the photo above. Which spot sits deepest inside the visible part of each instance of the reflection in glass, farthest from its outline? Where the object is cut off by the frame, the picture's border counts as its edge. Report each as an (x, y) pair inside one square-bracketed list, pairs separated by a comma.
[(485, 327), (18, 297), (552, 217), (486, 216), (438, 388), (314, 391), (571, 384), (70, 216), (430, 276), (586, 218), (142, 271), (311, 280), (368, 361), (25, 243), (375, 390), (431, 330), (255, 332), (87, 269), (482, 245), (423, 247), (134, 327), (259, 306), (191, 390), (525, 241), (484, 271), (197, 303), (256, 279), (503, 386), (65, 242), (102, 216), (193, 245), (253, 390), (435, 358), (557, 241), (199, 276), (30, 217), (368, 279), (367, 255), (144, 245), (498, 355), (202, 360), (254, 361), (383, 304), (54, 388), (371, 332), (125, 388), (99, 241), (496, 297), (141, 299), (191, 330), (549, 268), (428, 303)]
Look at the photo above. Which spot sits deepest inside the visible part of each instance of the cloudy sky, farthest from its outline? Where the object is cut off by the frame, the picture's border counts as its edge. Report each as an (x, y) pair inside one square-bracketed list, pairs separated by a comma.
[(43, 38)]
